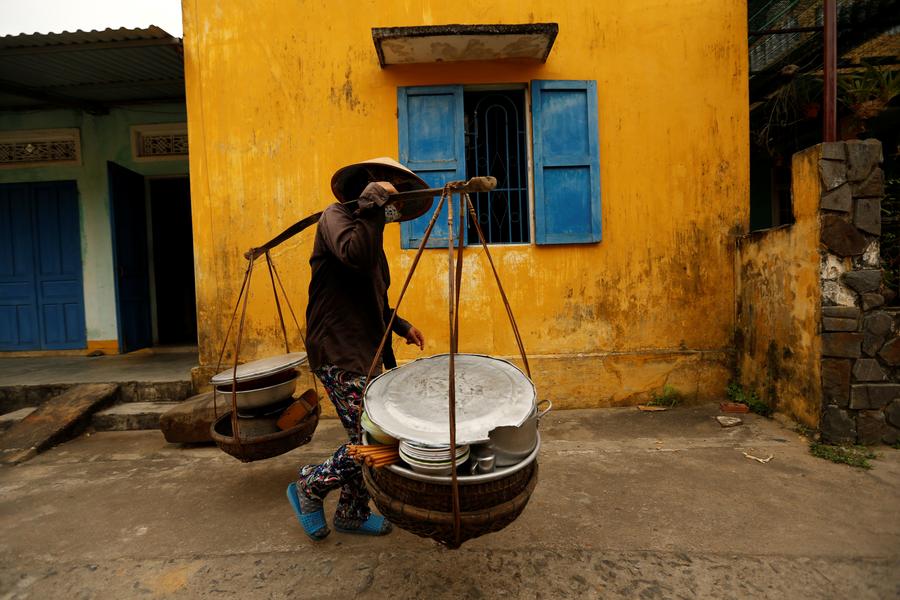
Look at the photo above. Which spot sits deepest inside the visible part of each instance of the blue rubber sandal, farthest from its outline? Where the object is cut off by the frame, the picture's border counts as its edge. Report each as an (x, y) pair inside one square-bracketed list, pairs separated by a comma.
[(313, 523), (374, 525)]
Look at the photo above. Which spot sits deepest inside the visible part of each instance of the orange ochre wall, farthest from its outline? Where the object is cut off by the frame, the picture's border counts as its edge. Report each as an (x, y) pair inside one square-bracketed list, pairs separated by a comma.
[(779, 295), (281, 94)]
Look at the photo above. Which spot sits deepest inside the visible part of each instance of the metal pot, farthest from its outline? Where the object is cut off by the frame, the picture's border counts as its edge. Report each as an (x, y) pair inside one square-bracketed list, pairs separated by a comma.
[(251, 399), (513, 444)]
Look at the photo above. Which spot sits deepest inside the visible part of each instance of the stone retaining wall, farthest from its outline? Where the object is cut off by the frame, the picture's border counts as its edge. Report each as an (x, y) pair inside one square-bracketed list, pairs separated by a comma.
[(860, 344)]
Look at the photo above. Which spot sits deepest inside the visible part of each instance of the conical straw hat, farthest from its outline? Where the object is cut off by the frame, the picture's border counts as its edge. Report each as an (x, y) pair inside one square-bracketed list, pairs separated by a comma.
[(349, 182)]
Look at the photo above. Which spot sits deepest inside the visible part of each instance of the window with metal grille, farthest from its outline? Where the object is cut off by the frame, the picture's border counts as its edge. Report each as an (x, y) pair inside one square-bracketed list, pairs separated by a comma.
[(163, 141), (40, 147), (495, 146), (450, 132)]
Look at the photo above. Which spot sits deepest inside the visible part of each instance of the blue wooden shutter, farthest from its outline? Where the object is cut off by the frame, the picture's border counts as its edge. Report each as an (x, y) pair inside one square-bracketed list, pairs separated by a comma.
[(432, 143), (566, 162)]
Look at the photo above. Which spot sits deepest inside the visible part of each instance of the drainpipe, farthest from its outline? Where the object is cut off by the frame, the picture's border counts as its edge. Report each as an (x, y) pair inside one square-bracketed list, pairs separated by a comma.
[(829, 71)]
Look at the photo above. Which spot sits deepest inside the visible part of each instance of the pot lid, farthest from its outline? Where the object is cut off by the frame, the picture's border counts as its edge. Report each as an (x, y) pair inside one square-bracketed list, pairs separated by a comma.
[(411, 401), (260, 368)]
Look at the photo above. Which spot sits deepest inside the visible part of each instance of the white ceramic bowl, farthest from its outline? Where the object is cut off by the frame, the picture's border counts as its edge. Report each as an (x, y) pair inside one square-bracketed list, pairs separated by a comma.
[(375, 432), (250, 399)]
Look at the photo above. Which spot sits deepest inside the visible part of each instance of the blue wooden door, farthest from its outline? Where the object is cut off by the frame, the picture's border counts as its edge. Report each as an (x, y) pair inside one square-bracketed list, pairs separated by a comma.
[(18, 297), (128, 204), (432, 143), (41, 292)]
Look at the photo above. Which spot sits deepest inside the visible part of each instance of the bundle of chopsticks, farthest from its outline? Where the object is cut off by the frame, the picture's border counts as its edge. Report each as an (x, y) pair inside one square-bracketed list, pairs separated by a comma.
[(375, 456)]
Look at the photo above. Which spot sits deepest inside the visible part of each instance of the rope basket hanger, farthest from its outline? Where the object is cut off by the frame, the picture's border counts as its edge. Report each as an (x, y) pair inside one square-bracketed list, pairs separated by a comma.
[(429, 523), (272, 444)]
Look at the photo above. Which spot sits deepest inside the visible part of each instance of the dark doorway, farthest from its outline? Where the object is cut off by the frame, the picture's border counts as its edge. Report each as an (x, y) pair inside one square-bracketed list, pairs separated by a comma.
[(129, 216), (173, 261)]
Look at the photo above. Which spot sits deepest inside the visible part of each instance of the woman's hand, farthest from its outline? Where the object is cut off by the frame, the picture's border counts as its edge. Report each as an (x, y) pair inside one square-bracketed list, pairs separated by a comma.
[(414, 336)]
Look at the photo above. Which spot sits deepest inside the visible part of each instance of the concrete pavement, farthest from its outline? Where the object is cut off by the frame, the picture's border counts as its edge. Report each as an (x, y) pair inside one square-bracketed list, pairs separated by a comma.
[(630, 505), (144, 365)]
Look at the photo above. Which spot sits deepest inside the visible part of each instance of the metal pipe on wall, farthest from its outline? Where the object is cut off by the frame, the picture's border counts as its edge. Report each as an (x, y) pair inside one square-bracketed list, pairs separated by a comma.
[(829, 72)]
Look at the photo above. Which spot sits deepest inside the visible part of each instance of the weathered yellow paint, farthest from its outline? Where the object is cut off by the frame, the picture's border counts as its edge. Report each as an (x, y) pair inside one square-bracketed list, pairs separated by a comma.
[(105, 346), (280, 94), (779, 296)]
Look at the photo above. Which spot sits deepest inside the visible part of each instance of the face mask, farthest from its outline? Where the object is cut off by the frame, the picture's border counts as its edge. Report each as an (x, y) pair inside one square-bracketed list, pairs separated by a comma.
[(391, 214)]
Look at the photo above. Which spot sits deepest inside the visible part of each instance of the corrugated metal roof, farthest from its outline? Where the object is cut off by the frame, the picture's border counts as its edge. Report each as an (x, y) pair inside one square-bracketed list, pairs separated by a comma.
[(32, 40), (858, 23), (90, 69)]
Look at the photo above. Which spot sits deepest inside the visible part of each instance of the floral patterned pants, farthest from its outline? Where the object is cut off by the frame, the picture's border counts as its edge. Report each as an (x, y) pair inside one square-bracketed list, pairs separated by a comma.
[(345, 390)]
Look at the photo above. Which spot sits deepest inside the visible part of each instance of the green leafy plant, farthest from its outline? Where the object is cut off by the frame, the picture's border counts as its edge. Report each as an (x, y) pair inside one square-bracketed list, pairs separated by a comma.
[(737, 393), (803, 430), (855, 456), (890, 240), (868, 92), (668, 398), (795, 101)]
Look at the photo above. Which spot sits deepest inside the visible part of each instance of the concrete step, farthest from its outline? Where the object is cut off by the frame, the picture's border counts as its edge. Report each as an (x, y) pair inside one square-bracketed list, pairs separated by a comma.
[(14, 397), (131, 416), (11, 418)]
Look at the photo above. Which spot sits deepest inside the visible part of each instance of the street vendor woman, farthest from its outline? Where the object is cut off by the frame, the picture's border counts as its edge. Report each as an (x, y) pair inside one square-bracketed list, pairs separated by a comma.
[(347, 316)]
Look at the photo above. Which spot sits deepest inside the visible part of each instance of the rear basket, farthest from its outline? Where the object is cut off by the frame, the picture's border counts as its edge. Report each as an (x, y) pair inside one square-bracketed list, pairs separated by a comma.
[(264, 439)]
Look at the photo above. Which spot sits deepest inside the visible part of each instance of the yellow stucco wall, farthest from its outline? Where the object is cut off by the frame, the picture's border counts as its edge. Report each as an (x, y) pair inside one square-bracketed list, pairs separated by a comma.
[(779, 296), (280, 94)]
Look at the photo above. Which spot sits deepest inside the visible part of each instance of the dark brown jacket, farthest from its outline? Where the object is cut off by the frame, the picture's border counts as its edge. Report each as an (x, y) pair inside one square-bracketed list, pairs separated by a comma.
[(348, 307)]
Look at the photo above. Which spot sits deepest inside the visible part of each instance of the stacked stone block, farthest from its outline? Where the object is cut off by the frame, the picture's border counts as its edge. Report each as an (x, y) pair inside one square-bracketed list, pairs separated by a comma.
[(860, 343)]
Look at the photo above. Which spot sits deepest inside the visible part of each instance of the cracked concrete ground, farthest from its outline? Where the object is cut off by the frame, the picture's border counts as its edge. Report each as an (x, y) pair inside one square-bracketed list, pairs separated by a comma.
[(630, 505)]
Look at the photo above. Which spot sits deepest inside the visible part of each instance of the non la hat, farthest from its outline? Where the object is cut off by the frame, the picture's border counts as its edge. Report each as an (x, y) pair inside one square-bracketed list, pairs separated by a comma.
[(349, 182)]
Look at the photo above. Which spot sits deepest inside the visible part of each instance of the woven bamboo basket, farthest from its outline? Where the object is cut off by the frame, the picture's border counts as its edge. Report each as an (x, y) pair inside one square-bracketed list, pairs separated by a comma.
[(264, 440), (436, 496), (439, 524)]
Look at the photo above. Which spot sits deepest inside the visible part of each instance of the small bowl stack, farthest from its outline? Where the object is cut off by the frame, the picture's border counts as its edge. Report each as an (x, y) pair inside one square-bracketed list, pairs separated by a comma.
[(264, 387), (376, 433), (431, 460)]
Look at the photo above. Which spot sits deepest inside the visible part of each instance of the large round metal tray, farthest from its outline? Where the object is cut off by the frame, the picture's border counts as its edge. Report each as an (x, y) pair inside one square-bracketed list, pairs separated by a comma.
[(260, 368), (498, 473), (410, 402)]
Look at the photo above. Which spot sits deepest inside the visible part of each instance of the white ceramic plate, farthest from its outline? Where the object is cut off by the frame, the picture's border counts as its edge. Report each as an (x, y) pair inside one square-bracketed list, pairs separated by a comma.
[(428, 468), (432, 454), (411, 401), (411, 458)]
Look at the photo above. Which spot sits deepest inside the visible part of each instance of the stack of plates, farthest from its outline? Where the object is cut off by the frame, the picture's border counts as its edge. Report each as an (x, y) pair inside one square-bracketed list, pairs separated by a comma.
[(431, 459)]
